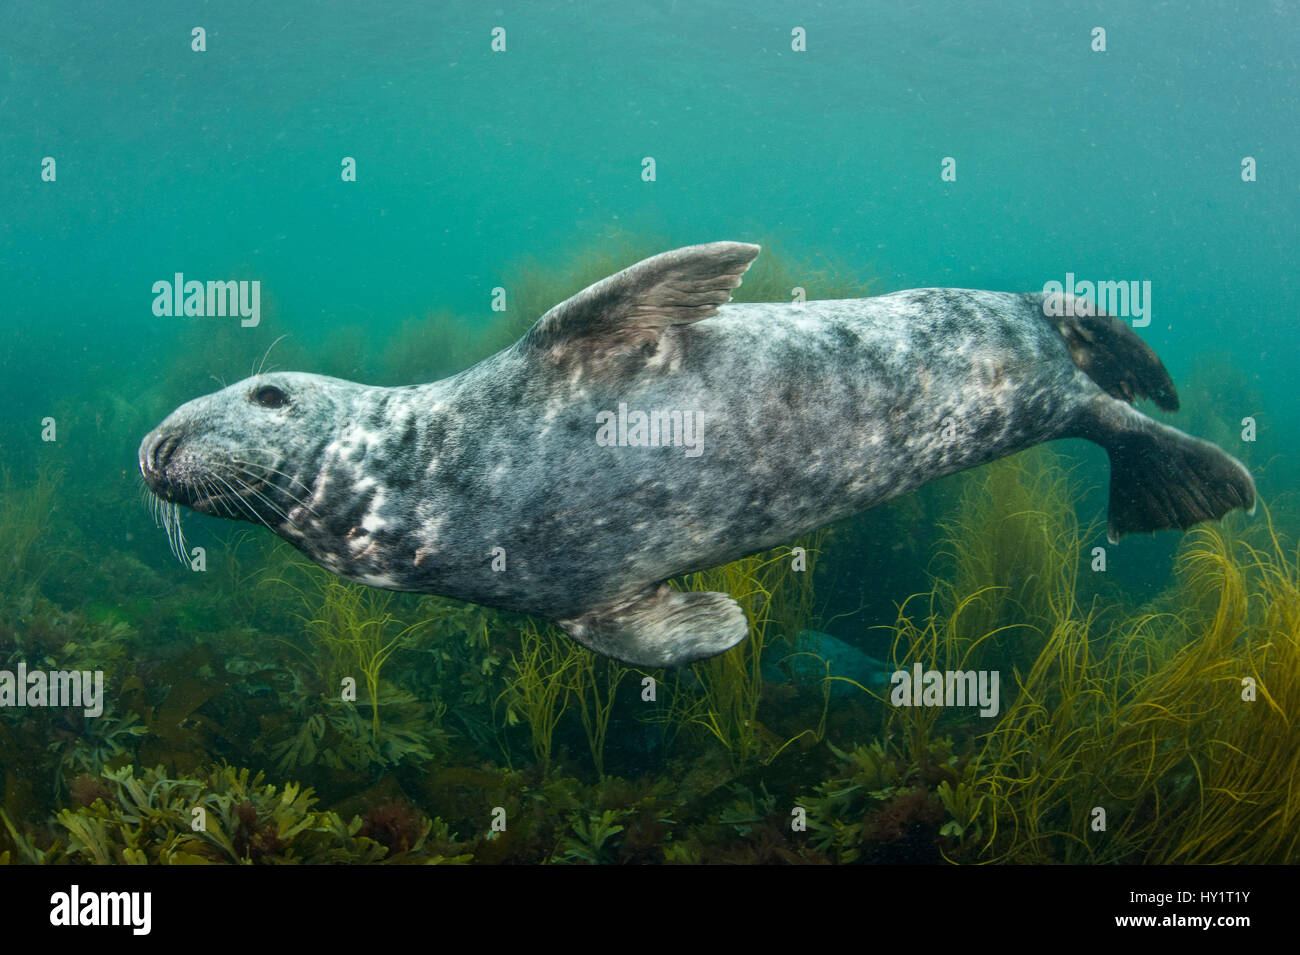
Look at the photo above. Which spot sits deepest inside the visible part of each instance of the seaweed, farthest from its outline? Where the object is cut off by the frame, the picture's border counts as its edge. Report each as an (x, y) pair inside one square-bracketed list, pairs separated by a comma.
[(352, 630), (541, 682), (225, 815), (1150, 720), (25, 520), (592, 840), (595, 687), (777, 601)]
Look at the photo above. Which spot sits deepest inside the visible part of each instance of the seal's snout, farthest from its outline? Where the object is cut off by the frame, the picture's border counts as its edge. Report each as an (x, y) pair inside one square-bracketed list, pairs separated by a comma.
[(155, 451)]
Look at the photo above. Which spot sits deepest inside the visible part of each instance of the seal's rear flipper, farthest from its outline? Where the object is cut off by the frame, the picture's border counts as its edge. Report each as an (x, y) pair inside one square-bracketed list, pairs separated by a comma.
[(663, 628), (1161, 478), (1108, 351)]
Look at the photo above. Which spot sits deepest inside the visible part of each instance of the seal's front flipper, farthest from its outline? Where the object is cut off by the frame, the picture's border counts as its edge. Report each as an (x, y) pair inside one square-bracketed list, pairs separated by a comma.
[(662, 628), (1161, 478), (626, 313)]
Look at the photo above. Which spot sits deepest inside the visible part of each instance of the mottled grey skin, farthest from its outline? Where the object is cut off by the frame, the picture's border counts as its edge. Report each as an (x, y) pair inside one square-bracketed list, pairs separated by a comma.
[(809, 414)]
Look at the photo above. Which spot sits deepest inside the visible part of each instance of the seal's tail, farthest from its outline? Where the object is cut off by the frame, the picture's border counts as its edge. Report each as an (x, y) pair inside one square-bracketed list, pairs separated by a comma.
[(1161, 478)]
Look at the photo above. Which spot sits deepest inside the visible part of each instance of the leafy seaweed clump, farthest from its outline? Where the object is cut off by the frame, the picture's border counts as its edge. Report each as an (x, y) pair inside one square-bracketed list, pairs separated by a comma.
[(225, 816)]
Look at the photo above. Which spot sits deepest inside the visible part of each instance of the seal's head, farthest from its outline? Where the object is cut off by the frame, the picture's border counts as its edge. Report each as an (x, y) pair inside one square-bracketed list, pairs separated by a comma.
[(248, 452)]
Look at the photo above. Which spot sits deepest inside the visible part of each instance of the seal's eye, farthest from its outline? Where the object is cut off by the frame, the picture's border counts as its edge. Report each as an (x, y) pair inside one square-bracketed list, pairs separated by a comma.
[(269, 396)]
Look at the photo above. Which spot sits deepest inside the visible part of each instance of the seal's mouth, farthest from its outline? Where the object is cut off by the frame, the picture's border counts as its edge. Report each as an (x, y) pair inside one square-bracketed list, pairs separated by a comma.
[(216, 503), (232, 493)]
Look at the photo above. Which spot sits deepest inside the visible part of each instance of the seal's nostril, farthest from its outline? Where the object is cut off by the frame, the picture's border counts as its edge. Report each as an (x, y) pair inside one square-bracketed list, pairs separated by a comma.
[(158, 452), (146, 454), (165, 451)]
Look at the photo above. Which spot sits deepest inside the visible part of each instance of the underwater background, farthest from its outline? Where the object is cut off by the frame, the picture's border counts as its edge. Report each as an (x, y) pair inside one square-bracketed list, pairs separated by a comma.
[(1160, 684)]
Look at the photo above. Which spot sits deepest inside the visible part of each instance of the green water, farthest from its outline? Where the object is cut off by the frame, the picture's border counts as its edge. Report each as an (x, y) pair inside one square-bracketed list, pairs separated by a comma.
[(478, 169)]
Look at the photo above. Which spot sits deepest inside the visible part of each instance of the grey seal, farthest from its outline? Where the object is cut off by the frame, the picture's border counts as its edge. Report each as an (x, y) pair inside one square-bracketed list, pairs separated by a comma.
[(645, 428)]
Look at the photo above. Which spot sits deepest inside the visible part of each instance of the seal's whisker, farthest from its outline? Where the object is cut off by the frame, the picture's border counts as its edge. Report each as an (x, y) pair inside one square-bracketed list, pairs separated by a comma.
[(208, 492), (267, 467), (163, 517), (275, 508), (296, 499), (262, 363), (257, 493), (244, 505), (270, 504), (148, 498), (171, 522), (164, 521), (279, 512), (182, 544), (218, 499), (247, 466), (212, 496)]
